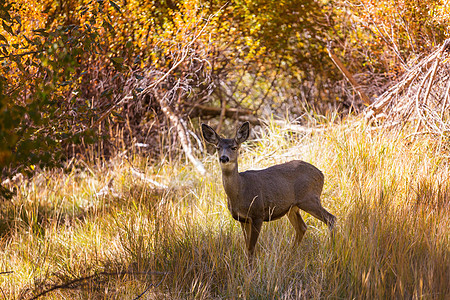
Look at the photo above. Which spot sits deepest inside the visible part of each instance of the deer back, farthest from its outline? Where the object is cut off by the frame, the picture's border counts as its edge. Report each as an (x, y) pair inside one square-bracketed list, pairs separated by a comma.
[(271, 192)]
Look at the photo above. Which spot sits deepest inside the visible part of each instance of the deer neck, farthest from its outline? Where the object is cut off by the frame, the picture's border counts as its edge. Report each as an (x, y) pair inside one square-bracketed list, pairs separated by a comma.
[(231, 183)]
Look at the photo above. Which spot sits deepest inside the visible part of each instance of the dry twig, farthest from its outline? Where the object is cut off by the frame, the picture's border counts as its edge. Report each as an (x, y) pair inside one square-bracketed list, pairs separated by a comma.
[(77, 282), (420, 96)]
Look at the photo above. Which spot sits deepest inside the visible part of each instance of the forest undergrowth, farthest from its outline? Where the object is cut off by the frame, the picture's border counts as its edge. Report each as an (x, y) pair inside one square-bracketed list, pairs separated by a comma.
[(96, 231)]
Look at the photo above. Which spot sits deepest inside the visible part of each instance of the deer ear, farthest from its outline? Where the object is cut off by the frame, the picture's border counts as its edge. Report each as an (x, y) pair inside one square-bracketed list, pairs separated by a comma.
[(210, 135), (242, 133)]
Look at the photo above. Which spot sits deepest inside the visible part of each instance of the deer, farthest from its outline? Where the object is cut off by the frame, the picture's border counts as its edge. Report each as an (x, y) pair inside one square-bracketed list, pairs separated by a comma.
[(257, 196)]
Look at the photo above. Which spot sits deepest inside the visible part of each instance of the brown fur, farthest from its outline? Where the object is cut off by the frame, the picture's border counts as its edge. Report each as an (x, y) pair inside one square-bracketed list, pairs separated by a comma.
[(264, 195)]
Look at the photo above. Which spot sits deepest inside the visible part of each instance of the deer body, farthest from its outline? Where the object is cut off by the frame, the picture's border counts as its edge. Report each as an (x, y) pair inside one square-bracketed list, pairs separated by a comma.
[(270, 193), (258, 196)]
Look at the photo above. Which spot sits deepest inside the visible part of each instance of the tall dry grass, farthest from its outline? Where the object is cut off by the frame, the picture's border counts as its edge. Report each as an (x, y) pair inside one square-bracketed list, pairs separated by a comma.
[(389, 190)]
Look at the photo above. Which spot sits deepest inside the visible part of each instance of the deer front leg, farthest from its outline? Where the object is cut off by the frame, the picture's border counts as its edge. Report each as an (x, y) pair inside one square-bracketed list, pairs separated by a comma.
[(246, 230), (251, 230)]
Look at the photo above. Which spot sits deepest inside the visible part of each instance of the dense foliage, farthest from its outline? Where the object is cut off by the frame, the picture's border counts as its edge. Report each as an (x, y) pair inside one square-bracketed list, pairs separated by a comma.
[(76, 71)]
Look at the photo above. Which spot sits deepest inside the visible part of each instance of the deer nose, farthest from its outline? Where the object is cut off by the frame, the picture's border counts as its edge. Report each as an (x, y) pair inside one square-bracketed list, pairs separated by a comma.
[(224, 159)]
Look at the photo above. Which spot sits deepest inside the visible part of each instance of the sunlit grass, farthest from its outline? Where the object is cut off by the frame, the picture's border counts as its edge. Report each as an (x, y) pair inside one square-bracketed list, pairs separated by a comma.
[(388, 190)]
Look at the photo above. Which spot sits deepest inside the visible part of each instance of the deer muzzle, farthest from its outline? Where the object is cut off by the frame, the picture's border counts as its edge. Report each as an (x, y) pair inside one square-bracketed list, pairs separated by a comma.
[(224, 159)]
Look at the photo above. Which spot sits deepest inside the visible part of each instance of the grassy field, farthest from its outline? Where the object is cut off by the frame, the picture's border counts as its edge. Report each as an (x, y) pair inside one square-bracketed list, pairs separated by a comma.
[(390, 191)]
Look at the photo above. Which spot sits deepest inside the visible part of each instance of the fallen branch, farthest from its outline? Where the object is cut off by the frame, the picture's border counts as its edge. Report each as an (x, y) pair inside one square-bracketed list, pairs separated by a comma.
[(386, 98), (436, 64), (180, 127), (349, 76), (6, 272), (75, 283), (421, 96), (138, 174)]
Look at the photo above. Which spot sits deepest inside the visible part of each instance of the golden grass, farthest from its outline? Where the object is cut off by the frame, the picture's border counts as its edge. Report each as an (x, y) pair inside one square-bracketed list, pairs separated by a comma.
[(388, 189)]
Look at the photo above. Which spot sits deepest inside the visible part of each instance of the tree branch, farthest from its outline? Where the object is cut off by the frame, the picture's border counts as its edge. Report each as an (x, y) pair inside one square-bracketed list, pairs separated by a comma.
[(349, 76), (181, 131)]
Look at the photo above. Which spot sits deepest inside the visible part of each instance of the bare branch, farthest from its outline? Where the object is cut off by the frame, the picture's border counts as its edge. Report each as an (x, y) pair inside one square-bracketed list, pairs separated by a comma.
[(182, 135), (421, 96)]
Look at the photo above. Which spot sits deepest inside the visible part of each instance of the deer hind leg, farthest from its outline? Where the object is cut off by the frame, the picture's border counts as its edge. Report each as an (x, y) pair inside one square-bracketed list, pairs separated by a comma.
[(297, 222), (314, 207)]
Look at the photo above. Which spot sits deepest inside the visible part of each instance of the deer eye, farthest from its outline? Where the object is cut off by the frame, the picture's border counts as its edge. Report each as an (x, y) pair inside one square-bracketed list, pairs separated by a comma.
[(234, 148)]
